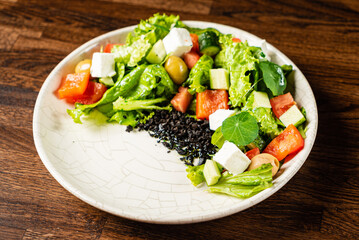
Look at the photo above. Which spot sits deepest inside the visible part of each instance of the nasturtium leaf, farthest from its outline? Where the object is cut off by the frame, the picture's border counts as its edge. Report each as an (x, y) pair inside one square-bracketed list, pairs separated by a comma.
[(273, 77), (240, 129)]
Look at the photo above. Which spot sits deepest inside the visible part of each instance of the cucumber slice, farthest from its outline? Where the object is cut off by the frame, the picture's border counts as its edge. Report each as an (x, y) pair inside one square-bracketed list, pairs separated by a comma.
[(211, 172), (261, 100), (260, 142), (157, 53), (292, 116), (107, 81), (219, 79), (208, 43)]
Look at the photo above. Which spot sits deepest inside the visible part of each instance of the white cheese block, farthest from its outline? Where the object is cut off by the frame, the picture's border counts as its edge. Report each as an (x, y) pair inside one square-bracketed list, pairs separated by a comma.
[(178, 42), (103, 65), (232, 158), (261, 100), (216, 119)]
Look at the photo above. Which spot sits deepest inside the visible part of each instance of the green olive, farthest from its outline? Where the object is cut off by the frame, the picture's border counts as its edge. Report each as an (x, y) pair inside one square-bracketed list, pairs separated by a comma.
[(177, 69)]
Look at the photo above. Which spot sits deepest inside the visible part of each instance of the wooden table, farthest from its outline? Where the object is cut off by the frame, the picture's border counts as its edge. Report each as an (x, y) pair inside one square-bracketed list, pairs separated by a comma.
[(321, 37)]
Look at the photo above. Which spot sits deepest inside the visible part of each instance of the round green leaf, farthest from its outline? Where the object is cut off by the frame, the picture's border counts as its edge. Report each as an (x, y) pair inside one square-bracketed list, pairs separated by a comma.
[(240, 129)]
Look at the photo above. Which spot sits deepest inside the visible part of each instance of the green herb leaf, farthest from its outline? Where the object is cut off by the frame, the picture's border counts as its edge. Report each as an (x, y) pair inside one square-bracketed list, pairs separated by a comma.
[(217, 138), (240, 129), (273, 77)]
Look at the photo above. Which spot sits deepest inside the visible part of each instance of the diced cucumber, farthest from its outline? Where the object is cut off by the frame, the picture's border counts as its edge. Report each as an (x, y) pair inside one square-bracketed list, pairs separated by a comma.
[(260, 142), (261, 100), (107, 81), (157, 53), (292, 116), (211, 172), (219, 78), (208, 43)]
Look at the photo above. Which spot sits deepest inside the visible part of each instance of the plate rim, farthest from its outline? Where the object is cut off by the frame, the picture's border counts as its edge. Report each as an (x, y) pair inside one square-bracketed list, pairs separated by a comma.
[(185, 220)]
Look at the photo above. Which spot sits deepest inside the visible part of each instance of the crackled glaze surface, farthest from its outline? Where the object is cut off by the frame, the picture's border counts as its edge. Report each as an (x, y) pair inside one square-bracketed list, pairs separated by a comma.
[(130, 174)]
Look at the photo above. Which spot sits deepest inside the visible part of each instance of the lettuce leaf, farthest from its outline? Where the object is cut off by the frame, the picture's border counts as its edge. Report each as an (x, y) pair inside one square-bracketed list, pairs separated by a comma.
[(198, 79), (120, 87), (147, 33), (132, 54), (246, 184), (149, 104), (125, 118), (239, 59), (267, 122), (264, 116), (154, 82), (145, 82), (156, 27)]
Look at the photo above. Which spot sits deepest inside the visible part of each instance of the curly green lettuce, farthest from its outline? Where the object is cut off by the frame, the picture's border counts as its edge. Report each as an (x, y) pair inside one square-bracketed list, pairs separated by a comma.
[(240, 60), (264, 116), (149, 82), (198, 79)]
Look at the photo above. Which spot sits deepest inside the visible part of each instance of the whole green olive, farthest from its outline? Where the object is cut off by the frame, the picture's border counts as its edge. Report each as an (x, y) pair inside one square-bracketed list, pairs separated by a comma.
[(177, 69)]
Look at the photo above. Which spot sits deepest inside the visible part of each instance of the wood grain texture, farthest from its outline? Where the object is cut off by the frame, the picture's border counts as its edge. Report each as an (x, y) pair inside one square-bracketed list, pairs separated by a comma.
[(321, 37)]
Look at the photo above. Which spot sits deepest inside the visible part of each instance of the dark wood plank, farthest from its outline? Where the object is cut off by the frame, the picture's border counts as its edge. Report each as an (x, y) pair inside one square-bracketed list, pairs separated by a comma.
[(321, 37), (11, 233)]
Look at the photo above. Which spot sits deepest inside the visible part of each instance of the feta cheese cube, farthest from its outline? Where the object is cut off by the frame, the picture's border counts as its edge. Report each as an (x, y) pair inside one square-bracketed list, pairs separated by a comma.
[(232, 158), (178, 42), (216, 119), (103, 65)]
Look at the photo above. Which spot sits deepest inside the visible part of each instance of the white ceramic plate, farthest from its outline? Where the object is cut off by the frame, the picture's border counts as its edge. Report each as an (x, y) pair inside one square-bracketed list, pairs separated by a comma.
[(130, 174)]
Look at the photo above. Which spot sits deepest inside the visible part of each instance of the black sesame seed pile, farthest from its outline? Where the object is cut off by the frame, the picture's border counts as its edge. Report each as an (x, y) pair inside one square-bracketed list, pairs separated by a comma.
[(191, 138)]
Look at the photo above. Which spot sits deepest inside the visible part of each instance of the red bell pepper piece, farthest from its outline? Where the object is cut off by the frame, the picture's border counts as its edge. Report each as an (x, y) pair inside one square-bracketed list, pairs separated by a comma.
[(181, 100), (74, 85), (251, 153), (289, 141), (290, 156), (93, 93), (209, 101), (237, 40)]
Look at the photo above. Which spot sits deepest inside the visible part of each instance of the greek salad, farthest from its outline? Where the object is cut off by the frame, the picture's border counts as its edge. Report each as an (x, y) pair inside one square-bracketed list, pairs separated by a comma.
[(219, 102)]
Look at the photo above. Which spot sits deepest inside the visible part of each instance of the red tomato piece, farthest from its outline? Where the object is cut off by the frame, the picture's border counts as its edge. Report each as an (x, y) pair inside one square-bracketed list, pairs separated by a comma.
[(251, 153), (281, 104), (289, 141), (191, 59), (236, 40), (195, 47), (290, 157), (181, 100), (93, 93), (74, 85), (209, 101), (109, 47)]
